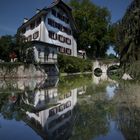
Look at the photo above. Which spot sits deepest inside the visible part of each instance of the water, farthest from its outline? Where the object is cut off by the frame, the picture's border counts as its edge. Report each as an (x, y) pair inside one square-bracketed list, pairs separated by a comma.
[(69, 108)]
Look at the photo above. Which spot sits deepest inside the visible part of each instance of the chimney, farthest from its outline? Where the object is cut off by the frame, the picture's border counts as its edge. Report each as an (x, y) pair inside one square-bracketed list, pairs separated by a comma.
[(37, 11), (25, 20)]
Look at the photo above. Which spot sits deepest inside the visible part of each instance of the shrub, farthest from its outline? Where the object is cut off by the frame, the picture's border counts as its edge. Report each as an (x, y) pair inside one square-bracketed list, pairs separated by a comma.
[(70, 64)]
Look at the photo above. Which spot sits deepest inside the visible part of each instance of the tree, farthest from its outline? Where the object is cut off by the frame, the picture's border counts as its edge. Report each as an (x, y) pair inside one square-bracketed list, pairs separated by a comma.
[(127, 37), (6, 47), (93, 23), (13, 45), (22, 46)]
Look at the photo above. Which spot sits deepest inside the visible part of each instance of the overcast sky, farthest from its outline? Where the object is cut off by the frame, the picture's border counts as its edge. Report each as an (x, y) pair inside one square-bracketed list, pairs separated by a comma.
[(12, 12)]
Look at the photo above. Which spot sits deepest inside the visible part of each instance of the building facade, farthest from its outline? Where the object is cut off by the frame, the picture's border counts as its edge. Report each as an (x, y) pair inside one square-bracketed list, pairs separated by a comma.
[(51, 30)]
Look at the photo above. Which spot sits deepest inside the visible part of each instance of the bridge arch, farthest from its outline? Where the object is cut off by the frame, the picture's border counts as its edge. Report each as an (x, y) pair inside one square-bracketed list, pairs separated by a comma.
[(104, 67), (98, 72)]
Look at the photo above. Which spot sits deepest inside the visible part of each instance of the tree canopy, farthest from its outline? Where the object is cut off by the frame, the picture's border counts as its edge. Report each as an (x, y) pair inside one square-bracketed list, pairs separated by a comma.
[(127, 38), (93, 23), (6, 46)]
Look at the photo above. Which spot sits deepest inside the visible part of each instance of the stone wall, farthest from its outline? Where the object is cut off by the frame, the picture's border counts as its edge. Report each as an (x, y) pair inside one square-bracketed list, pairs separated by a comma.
[(21, 71)]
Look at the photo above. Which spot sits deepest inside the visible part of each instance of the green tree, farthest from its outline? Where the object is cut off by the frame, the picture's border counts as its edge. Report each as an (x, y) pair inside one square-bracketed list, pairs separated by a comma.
[(94, 27), (6, 47), (127, 38), (10, 44)]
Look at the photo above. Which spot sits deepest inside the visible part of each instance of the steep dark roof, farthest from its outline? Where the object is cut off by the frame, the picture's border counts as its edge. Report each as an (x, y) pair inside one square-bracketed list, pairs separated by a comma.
[(45, 10)]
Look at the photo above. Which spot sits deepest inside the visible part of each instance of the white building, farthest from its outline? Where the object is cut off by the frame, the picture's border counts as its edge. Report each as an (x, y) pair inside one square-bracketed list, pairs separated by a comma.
[(51, 30)]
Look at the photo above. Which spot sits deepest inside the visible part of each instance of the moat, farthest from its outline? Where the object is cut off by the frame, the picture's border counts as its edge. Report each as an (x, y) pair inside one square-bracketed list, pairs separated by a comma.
[(69, 108)]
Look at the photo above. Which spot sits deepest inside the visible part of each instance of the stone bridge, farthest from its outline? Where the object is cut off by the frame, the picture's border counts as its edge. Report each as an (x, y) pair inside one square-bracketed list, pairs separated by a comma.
[(103, 66)]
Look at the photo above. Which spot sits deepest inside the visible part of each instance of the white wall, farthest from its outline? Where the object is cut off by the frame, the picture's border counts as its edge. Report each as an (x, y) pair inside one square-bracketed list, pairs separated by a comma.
[(38, 28), (44, 27), (73, 45)]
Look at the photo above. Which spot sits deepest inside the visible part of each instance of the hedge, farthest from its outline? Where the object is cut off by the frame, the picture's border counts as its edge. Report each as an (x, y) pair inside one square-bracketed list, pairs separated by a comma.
[(70, 64)]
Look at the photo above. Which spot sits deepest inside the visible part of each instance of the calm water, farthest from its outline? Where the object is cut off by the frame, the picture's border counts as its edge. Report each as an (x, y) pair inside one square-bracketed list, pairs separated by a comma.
[(69, 108)]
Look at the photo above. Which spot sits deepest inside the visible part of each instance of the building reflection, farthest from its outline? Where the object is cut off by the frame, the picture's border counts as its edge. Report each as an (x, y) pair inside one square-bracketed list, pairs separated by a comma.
[(45, 108), (52, 113)]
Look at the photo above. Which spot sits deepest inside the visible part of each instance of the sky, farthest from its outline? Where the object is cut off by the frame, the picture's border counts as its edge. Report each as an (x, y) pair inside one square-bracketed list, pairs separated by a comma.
[(12, 12)]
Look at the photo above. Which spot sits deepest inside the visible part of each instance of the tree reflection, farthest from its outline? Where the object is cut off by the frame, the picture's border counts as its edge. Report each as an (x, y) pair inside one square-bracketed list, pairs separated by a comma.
[(93, 111), (128, 110)]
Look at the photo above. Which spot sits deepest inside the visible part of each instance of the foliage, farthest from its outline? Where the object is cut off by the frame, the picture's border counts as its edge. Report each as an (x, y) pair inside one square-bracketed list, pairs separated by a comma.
[(30, 57), (127, 37), (71, 82), (94, 27), (70, 64), (6, 46), (10, 44), (22, 48), (134, 70)]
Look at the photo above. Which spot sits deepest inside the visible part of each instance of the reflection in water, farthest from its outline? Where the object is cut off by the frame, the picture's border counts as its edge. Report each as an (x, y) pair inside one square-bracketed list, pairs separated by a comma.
[(111, 90), (69, 108)]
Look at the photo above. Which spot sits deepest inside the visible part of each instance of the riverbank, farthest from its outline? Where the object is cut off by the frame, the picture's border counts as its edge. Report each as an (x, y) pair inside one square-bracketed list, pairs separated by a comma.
[(72, 74), (20, 70)]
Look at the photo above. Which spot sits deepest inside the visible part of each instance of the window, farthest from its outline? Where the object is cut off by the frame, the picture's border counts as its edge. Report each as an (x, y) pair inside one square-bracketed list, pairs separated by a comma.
[(32, 26), (52, 35), (53, 12), (29, 38), (63, 18), (68, 51), (52, 112), (68, 41), (68, 94), (61, 38), (51, 22), (56, 25), (61, 108), (35, 35), (62, 50), (59, 16), (68, 104), (39, 52), (38, 21), (60, 27)]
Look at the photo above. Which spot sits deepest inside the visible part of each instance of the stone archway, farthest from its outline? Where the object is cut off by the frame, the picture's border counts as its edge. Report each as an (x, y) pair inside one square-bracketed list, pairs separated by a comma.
[(97, 72)]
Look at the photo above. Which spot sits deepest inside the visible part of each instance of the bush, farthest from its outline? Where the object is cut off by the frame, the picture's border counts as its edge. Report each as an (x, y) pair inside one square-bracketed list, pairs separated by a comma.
[(70, 64)]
